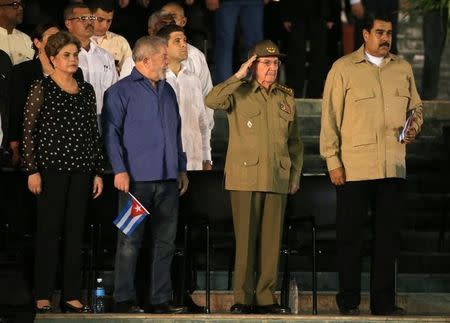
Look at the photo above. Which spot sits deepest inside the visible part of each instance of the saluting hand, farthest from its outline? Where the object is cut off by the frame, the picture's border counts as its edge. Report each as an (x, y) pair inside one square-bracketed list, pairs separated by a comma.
[(245, 67), (337, 176)]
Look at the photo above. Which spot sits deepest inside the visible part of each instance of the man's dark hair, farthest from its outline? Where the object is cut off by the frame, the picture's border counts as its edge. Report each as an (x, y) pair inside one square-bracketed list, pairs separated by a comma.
[(39, 30), (105, 5), (68, 11), (370, 18), (165, 31)]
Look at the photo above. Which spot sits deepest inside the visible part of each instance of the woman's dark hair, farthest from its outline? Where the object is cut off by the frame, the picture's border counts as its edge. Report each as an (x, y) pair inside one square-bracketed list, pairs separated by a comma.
[(59, 40), (39, 31)]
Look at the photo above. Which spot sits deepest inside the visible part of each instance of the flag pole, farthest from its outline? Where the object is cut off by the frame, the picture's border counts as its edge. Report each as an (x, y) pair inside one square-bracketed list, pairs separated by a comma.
[(139, 202)]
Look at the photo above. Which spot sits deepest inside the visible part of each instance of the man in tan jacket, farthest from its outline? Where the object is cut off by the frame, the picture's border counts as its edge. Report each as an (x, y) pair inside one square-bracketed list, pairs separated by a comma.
[(367, 96), (263, 164)]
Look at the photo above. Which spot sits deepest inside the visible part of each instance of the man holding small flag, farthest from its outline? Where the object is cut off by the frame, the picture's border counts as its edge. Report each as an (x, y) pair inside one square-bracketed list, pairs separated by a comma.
[(142, 133)]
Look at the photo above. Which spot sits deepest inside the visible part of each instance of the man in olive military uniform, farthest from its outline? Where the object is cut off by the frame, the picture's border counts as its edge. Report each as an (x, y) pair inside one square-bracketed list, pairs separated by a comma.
[(263, 164)]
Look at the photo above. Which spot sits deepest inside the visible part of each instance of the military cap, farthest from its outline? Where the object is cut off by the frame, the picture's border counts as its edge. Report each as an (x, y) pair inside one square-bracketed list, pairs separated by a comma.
[(265, 48)]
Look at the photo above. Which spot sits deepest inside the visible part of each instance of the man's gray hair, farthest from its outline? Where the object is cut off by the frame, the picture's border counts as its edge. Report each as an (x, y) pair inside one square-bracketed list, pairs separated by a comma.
[(146, 46)]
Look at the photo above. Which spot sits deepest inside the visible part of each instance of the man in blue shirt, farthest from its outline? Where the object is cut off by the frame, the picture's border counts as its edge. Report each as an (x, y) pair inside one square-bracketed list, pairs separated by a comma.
[(142, 133)]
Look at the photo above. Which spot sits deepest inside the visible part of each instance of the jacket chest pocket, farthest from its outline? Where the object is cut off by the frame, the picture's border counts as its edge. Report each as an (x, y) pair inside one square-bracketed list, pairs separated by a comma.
[(284, 120), (363, 96), (403, 96), (249, 120)]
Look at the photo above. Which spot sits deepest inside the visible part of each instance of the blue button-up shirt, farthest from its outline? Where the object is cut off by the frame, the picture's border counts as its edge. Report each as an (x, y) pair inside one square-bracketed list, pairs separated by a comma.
[(142, 129)]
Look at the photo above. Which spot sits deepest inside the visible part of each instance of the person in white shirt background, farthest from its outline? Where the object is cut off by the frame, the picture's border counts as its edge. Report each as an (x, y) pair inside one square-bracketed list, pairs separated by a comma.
[(15, 43), (96, 63), (194, 121), (196, 62), (113, 43)]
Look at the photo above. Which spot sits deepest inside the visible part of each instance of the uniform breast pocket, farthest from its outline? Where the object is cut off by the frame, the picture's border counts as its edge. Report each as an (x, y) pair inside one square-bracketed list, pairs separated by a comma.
[(249, 120), (362, 96), (285, 120), (403, 96)]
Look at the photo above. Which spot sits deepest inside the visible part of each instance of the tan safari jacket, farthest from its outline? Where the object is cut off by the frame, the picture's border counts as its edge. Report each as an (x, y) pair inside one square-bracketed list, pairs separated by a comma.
[(363, 110), (265, 152)]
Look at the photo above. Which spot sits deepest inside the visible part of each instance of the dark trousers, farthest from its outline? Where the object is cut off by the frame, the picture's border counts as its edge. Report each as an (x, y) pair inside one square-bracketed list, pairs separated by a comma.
[(386, 196), (296, 71), (161, 199), (61, 210), (434, 35)]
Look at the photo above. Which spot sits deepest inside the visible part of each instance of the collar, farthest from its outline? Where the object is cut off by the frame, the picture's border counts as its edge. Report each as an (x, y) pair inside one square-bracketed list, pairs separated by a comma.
[(92, 47), (108, 35), (4, 32), (359, 56), (137, 76), (254, 86)]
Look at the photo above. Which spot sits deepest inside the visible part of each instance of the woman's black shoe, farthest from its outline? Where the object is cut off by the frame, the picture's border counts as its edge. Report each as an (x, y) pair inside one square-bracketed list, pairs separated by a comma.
[(44, 309), (67, 308)]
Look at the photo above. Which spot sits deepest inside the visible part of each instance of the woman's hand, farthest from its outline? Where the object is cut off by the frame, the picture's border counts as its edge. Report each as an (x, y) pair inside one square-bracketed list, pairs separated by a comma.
[(35, 183), (97, 187)]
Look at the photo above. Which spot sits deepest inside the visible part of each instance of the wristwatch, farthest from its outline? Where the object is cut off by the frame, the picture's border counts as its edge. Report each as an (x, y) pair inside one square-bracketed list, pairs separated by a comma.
[(208, 161)]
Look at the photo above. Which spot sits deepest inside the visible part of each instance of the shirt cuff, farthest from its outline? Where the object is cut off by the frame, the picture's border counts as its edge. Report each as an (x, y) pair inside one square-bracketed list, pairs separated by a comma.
[(355, 1), (333, 163)]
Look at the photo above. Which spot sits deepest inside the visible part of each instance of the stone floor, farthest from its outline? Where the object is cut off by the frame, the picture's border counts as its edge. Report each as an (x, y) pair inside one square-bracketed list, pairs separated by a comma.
[(143, 318)]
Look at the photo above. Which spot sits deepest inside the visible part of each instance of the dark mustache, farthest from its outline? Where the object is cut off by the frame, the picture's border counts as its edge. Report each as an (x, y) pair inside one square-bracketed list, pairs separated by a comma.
[(385, 44)]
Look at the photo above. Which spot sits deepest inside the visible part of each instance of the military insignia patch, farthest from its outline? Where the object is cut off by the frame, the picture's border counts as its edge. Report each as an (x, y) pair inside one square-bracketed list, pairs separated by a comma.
[(285, 107)]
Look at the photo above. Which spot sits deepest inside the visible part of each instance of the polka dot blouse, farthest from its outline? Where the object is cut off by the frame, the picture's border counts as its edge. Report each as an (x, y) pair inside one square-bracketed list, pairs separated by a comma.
[(60, 129)]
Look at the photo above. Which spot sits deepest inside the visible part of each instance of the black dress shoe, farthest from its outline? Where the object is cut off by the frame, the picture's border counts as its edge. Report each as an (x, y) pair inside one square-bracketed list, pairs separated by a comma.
[(354, 311), (272, 309), (43, 310), (167, 308), (67, 308), (127, 307), (239, 308), (395, 311), (194, 308)]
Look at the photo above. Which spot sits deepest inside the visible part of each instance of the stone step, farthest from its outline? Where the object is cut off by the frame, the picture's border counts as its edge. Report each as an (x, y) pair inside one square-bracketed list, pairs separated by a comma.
[(228, 318)]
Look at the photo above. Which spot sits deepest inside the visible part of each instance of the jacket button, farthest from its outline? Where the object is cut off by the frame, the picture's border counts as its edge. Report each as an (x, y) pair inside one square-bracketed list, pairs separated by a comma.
[(249, 124), (245, 163)]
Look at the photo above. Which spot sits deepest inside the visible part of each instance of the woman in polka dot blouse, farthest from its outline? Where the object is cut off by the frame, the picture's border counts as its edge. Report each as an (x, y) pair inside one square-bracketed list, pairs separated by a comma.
[(63, 157)]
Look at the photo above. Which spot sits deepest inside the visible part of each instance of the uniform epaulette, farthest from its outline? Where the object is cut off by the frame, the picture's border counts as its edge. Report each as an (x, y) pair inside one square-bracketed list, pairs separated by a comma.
[(286, 89)]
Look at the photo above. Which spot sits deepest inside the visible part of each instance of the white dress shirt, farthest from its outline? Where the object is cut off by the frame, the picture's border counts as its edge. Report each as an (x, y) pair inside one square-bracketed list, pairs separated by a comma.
[(196, 63), (17, 45), (116, 45), (195, 133), (98, 70)]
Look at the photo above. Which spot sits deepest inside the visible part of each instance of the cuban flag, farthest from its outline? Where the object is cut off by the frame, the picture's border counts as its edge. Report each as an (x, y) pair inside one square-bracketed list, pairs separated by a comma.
[(130, 216)]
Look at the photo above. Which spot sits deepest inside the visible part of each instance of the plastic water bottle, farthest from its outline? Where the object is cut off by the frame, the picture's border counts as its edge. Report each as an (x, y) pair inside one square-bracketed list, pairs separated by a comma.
[(293, 296), (99, 297)]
